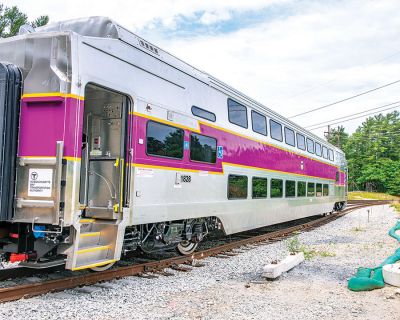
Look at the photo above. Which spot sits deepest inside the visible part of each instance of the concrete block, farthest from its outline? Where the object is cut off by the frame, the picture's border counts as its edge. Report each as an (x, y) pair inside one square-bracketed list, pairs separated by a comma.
[(273, 271), (391, 274)]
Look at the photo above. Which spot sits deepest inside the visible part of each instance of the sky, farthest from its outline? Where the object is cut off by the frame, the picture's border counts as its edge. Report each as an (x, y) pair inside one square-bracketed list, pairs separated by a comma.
[(290, 55)]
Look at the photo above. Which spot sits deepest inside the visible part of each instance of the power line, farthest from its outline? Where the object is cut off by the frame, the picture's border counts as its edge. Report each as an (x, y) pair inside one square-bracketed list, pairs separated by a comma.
[(353, 114), (364, 115), (346, 99), (336, 78)]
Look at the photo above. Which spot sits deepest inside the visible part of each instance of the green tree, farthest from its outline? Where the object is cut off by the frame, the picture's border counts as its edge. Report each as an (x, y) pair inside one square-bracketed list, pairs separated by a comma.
[(11, 19), (338, 137)]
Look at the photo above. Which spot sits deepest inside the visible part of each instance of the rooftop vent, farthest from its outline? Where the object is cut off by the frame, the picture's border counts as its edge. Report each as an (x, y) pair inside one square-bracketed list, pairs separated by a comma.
[(148, 46)]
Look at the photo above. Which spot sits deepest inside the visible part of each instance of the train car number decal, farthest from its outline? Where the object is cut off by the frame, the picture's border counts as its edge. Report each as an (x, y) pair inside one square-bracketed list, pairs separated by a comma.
[(40, 182), (186, 178), (220, 152)]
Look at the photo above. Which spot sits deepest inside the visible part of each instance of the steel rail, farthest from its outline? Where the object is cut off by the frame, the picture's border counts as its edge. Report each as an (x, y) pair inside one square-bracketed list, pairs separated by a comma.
[(36, 289)]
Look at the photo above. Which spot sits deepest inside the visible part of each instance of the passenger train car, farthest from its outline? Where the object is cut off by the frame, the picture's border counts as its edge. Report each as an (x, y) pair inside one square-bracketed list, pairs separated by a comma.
[(111, 144)]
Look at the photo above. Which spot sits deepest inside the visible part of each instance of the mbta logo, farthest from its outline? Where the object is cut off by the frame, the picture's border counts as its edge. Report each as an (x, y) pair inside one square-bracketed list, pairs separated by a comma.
[(34, 175)]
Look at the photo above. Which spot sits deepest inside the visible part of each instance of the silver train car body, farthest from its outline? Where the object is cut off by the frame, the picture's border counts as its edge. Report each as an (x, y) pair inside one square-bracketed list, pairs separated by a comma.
[(122, 145)]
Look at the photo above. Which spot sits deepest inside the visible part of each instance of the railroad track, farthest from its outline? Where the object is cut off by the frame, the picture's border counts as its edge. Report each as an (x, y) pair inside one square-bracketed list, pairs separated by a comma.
[(178, 263)]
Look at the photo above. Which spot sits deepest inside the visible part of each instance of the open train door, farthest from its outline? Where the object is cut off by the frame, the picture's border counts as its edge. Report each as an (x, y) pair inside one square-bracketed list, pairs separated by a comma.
[(10, 94)]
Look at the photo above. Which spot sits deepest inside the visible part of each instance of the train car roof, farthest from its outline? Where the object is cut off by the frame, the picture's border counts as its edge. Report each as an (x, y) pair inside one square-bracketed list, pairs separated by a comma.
[(104, 27)]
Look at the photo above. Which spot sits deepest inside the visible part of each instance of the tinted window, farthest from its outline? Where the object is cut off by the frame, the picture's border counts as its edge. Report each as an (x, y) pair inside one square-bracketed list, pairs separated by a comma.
[(310, 146), (337, 175), (290, 189), (259, 123), (301, 142), (325, 190), (203, 148), (276, 188), (310, 189), (203, 114), (237, 113), (318, 150), (325, 152), (331, 157), (237, 187), (164, 140), (301, 189), (319, 190), (260, 187), (276, 130), (289, 136)]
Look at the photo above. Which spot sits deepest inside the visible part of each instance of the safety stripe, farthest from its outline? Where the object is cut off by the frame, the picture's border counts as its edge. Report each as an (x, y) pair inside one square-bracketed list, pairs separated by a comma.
[(98, 264), (52, 94), (87, 220), (89, 234), (139, 165), (93, 249)]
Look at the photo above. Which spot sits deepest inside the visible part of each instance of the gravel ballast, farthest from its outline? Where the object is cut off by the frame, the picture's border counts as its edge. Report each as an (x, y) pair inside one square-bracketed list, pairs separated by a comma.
[(233, 288)]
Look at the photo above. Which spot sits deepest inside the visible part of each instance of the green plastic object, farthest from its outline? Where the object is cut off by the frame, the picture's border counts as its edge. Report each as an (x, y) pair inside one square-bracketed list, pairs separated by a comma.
[(372, 278)]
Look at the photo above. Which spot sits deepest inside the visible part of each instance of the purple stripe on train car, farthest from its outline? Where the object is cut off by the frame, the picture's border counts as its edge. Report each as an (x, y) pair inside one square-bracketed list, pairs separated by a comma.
[(237, 150), (46, 120)]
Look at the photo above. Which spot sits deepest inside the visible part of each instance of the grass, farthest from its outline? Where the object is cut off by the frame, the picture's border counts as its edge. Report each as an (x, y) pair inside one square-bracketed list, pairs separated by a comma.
[(359, 195), (358, 229), (294, 246), (396, 206)]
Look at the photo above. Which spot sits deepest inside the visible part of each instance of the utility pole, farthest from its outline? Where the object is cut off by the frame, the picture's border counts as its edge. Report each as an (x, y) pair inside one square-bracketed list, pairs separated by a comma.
[(328, 133)]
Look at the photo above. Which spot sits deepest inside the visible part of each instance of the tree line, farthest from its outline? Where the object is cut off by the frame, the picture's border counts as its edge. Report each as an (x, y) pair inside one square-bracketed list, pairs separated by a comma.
[(11, 19), (373, 153)]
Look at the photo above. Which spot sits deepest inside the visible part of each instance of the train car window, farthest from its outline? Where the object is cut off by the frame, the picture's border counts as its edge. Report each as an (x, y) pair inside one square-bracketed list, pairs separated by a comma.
[(325, 190), (276, 130), (310, 145), (290, 189), (301, 141), (331, 156), (164, 140), (203, 148), (319, 190), (237, 187), (310, 189), (199, 112), (325, 152), (259, 188), (276, 188), (337, 176), (237, 113), (259, 123), (318, 150), (301, 189), (289, 137)]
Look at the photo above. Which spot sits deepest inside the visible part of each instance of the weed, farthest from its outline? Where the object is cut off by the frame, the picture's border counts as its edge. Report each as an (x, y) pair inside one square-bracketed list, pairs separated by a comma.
[(358, 229)]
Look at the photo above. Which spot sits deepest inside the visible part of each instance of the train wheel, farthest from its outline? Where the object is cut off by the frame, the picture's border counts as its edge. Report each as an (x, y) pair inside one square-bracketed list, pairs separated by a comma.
[(102, 268), (186, 247)]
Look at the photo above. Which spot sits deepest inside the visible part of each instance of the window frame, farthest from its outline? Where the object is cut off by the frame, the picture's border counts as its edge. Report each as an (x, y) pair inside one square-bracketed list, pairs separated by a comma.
[(325, 148), (270, 129), (320, 149), (229, 114), (316, 190), (313, 144), (295, 190), (310, 183), (330, 152), (252, 187), (247, 186), (167, 125), (270, 188), (190, 148), (323, 189), (297, 140), (266, 123), (294, 136), (305, 189), (196, 115)]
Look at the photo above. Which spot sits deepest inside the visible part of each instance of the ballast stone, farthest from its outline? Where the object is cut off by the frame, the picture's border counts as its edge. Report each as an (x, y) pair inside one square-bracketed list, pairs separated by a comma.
[(391, 274), (273, 271)]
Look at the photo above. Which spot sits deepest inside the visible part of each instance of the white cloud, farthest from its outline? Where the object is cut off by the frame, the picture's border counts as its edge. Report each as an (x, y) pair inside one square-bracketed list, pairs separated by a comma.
[(312, 54)]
